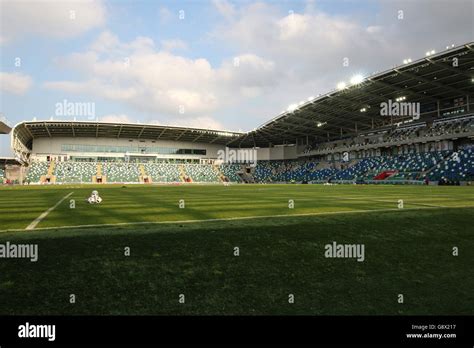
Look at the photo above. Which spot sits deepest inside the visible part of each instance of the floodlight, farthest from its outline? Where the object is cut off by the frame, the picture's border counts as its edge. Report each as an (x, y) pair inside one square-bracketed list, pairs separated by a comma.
[(356, 79), (292, 107)]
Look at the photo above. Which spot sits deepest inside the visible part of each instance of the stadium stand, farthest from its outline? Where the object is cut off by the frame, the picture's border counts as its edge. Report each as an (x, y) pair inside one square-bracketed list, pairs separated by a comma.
[(286, 171), (458, 166), (452, 126), (323, 175), (231, 171), (120, 172), (339, 136), (74, 172), (201, 172), (402, 167), (434, 166), (358, 170), (36, 170), (163, 172)]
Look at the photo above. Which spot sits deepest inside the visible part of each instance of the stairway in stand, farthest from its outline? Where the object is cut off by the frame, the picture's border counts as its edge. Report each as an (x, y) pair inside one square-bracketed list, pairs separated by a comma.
[(144, 177), (182, 174), (49, 177), (221, 176), (99, 178)]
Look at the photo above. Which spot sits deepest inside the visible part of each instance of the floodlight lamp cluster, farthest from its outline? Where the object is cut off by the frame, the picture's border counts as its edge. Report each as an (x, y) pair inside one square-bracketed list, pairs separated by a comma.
[(355, 80)]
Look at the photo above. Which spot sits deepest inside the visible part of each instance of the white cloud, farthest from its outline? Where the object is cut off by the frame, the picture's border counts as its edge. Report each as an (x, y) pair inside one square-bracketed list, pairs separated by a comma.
[(282, 58), (110, 44), (165, 15), (249, 75), (15, 83), (171, 45), (307, 48), (106, 41), (57, 19), (178, 89), (113, 118), (205, 122), (225, 8), (294, 26)]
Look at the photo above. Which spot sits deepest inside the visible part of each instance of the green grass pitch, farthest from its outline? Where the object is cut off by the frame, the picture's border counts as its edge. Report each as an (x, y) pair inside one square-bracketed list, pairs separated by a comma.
[(190, 250)]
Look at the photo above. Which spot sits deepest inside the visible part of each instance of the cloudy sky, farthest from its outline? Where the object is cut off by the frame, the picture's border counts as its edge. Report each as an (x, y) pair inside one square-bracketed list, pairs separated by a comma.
[(212, 64)]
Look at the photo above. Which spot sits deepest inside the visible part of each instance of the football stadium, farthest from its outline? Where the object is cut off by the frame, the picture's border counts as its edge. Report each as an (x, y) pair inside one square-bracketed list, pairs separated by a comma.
[(196, 221), (146, 171)]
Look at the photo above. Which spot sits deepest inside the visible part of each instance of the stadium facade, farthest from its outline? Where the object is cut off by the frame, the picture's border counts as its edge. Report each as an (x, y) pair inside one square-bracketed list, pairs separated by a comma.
[(410, 124)]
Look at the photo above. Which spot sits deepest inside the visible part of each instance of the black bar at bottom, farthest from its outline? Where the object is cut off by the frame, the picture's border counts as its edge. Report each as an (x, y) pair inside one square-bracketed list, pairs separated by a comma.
[(454, 330)]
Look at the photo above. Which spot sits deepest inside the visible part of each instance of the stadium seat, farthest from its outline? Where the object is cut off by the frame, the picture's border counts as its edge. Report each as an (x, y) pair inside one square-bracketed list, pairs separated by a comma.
[(434, 165), (75, 172), (457, 166), (201, 172), (231, 171), (36, 170), (163, 172), (120, 172)]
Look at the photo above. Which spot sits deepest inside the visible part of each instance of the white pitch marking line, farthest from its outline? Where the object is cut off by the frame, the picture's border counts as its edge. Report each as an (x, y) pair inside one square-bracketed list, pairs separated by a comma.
[(36, 221), (240, 218)]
